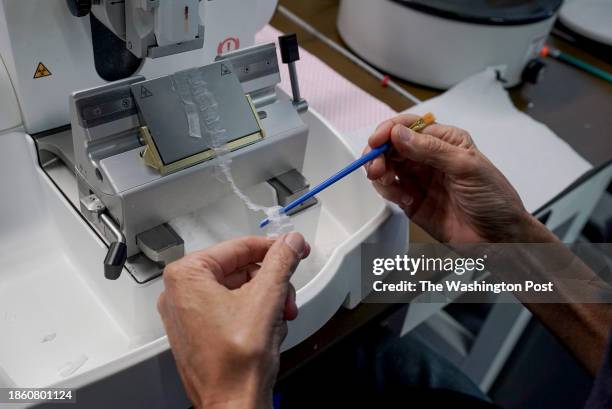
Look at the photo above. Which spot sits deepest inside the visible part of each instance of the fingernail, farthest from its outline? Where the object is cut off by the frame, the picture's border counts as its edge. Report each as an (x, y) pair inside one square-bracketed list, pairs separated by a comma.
[(296, 242), (407, 200), (405, 134)]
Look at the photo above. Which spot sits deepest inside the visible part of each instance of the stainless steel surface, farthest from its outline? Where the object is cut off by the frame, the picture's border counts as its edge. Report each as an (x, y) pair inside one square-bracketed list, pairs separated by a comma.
[(161, 244), (157, 51), (112, 227), (257, 70), (111, 14), (57, 145), (143, 269), (92, 204), (289, 186), (300, 104), (295, 85), (107, 150), (213, 94), (140, 38)]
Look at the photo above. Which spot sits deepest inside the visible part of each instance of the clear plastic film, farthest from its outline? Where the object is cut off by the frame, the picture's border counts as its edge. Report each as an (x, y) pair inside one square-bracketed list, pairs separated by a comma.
[(200, 106), (203, 117)]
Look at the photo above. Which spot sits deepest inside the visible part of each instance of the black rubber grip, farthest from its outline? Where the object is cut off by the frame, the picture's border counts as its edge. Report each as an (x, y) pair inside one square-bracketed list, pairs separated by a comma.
[(115, 260), (79, 8), (290, 51)]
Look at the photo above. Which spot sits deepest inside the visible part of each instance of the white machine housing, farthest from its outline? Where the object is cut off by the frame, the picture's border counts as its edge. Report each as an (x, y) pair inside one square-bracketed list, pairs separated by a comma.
[(66, 325), (436, 51), (63, 44)]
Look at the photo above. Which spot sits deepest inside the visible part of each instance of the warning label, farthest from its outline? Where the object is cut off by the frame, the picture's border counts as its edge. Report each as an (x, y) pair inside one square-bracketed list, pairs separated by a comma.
[(41, 71), (227, 45), (225, 70), (144, 92)]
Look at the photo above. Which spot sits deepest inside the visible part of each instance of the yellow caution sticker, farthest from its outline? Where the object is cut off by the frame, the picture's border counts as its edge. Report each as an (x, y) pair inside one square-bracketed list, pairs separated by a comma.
[(41, 71)]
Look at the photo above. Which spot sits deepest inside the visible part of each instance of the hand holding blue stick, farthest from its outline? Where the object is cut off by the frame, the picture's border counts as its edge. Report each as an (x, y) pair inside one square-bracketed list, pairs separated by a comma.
[(419, 125)]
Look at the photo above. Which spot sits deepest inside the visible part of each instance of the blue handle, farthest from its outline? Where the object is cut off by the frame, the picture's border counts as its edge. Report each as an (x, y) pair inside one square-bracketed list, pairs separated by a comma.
[(373, 154)]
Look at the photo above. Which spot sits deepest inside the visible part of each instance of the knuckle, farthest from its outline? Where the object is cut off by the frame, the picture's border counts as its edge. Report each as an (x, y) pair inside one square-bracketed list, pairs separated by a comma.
[(179, 271), (468, 161), (386, 123), (247, 347), (285, 261), (207, 262), (405, 119), (447, 132), (465, 138), (457, 136), (161, 303), (171, 273), (433, 145), (460, 132)]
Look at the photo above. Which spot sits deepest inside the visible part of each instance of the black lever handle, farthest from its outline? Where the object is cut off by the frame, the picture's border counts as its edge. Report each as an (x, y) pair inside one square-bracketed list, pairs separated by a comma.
[(79, 8), (115, 260), (117, 252), (290, 53)]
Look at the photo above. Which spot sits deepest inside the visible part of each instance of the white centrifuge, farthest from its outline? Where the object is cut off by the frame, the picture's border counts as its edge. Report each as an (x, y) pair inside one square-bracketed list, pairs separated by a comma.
[(438, 43), (591, 19)]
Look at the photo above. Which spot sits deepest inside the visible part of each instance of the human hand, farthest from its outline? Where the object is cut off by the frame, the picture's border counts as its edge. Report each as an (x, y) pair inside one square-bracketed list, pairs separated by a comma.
[(225, 310), (446, 185)]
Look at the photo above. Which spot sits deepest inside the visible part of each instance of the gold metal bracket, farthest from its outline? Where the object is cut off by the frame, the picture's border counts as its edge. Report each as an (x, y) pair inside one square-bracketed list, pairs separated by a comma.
[(151, 157)]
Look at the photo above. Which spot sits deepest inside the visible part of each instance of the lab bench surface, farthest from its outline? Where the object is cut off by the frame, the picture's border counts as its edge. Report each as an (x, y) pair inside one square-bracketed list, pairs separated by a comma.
[(574, 104)]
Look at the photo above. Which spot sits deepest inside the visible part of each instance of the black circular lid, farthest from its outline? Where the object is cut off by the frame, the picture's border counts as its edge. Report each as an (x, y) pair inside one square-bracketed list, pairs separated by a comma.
[(491, 12)]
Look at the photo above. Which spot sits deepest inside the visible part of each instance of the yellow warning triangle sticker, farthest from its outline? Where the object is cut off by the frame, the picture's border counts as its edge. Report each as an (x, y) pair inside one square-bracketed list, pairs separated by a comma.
[(41, 71)]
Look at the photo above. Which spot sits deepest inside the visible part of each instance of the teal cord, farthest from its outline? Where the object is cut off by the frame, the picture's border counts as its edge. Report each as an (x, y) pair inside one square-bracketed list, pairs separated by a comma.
[(585, 66)]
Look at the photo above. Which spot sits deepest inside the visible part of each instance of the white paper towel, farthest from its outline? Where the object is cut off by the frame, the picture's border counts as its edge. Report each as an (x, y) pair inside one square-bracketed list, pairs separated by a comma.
[(536, 161)]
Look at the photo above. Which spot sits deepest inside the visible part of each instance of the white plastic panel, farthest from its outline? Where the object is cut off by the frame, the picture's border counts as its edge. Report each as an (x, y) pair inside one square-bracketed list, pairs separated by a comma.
[(34, 31), (265, 10), (10, 116), (176, 21), (61, 311)]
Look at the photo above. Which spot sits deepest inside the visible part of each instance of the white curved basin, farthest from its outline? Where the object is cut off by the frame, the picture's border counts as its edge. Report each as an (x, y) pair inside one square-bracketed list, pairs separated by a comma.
[(63, 324)]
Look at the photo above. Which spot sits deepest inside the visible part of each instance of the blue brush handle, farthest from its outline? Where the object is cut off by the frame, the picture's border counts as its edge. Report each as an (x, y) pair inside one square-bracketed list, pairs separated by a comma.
[(373, 154)]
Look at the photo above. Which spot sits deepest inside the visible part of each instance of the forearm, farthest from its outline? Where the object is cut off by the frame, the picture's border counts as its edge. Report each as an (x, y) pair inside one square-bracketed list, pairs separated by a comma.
[(249, 403), (246, 391), (247, 399), (582, 327)]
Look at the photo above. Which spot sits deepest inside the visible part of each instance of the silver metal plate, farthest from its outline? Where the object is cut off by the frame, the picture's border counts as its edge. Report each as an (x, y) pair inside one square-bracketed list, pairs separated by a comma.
[(164, 111)]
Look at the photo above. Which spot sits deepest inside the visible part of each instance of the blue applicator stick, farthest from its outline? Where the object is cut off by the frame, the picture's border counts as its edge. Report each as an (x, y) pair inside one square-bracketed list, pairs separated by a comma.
[(373, 154)]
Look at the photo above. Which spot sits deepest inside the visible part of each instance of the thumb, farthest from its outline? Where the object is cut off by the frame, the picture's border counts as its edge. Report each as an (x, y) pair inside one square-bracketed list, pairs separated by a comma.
[(279, 264), (426, 149)]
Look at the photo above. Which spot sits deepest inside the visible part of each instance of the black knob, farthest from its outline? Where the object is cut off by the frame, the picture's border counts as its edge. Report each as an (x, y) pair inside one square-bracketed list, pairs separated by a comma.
[(79, 8), (115, 260), (290, 51), (533, 71)]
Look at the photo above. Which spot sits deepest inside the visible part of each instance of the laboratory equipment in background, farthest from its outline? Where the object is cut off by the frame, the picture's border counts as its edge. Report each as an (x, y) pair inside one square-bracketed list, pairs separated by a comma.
[(586, 24), (591, 19), (441, 42), (113, 116)]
